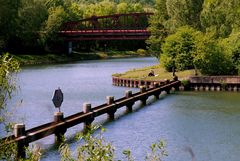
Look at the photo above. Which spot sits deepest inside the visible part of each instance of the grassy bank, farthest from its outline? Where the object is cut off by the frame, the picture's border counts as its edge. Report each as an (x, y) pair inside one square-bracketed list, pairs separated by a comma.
[(54, 58), (159, 72)]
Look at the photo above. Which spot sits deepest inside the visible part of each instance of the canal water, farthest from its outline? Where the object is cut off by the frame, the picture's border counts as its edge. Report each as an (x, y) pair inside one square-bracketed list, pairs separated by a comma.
[(203, 124)]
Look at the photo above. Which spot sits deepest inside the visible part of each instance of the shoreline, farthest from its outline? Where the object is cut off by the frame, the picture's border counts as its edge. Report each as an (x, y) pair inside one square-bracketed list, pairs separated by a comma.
[(42, 59)]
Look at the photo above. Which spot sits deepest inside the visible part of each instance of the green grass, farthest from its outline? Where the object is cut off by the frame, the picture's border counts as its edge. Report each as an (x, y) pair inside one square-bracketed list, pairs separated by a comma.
[(159, 72)]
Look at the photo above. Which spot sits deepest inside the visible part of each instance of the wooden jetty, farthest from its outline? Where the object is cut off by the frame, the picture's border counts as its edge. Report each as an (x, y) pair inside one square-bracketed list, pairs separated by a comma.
[(60, 124)]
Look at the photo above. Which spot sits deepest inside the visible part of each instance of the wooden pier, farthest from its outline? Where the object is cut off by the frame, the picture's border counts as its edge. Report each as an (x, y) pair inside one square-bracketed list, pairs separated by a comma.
[(60, 124)]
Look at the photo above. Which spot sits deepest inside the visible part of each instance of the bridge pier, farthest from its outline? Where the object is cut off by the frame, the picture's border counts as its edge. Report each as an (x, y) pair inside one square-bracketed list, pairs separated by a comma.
[(111, 113), (144, 98), (70, 46), (128, 94), (87, 107), (59, 133), (19, 131)]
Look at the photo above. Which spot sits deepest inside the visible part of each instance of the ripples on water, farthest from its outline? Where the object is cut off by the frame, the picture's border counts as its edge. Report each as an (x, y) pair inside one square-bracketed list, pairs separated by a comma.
[(205, 122)]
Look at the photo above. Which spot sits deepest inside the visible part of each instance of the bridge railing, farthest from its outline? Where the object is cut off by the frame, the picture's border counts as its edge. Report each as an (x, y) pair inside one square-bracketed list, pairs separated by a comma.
[(115, 22)]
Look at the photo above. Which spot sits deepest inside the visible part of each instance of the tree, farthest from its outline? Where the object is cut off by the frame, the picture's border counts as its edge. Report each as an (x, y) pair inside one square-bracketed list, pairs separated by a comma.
[(8, 21), (157, 29), (8, 69), (211, 59), (32, 15), (57, 16), (219, 16), (231, 46), (179, 48), (183, 12)]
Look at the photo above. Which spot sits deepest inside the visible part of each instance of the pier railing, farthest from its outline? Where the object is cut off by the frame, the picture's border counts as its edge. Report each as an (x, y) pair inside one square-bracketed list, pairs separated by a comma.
[(60, 124)]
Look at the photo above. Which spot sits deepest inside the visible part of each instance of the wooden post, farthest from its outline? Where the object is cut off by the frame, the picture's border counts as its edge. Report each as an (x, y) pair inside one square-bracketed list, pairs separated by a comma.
[(135, 84), (87, 107), (59, 133), (156, 85), (113, 81), (166, 81), (142, 89), (110, 100), (144, 99), (124, 83), (19, 131), (128, 94)]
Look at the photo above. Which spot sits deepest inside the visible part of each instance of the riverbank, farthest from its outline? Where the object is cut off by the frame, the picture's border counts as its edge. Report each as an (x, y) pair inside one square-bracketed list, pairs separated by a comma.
[(159, 72), (76, 56)]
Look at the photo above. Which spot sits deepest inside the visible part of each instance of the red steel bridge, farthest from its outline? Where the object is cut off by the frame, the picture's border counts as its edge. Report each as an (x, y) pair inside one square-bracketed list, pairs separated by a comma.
[(132, 26)]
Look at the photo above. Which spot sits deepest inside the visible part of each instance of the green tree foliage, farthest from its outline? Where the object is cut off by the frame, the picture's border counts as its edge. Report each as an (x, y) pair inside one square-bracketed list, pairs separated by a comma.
[(8, 69), (93, 147), (8, 21), (179, 48), (219, 16), (32, 15), (183, 12), (157, 29), (217, 20), (30, 24), (231, 46), (57, 16), (211, 59)]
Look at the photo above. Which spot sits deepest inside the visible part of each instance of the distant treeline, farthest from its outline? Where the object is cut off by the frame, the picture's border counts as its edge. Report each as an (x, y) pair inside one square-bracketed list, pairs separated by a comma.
[(31, 25)]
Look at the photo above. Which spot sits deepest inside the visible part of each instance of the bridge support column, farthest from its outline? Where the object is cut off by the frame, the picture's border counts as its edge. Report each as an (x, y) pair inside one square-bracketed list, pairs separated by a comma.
[(144, 99), (128, 94), (19, 131), (70, 46), (87, 107), (110, 100), (235, 89), (59, 133)]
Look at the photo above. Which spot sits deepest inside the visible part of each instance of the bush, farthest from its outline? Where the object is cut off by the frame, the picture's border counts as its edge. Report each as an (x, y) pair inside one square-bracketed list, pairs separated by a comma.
[(179, 48), (231, 46), (141, 52), (211, 59)]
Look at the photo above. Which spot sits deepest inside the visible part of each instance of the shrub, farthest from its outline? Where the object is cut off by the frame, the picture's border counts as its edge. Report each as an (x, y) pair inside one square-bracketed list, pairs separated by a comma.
[(179, 48), (211, 59)]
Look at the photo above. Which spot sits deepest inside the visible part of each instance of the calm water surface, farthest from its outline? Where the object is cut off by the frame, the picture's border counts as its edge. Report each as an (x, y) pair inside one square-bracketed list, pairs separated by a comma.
[(208, 123)]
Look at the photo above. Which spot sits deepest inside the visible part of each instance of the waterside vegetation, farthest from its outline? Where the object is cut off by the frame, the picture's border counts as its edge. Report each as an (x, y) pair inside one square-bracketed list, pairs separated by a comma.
[(159, 72), (76, 56), (201, 35)]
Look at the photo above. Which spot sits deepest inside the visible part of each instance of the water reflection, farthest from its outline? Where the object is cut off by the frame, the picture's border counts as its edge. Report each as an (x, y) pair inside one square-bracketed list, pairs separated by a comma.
[(205, 122)]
